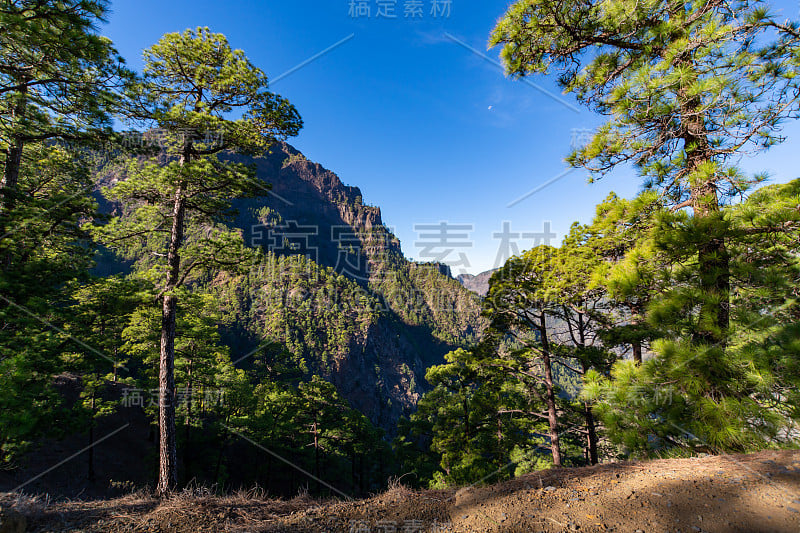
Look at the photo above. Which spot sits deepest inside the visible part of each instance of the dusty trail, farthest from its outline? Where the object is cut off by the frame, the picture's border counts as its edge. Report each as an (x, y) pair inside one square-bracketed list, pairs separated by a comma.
[(747, 493)]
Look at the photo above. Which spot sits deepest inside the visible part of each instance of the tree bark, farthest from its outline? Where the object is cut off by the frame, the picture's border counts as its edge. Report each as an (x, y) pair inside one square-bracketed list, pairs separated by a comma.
[(168, 468), (591, 437), (14, 151), (550, 397), (187, 452), (637, 352), (91, 473), (316, 454)]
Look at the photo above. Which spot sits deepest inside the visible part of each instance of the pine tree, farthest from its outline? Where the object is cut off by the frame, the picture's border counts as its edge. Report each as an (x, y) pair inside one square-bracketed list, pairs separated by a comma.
[(582, 313), (519, 305), (192, 83), (58, 85), (687, 88), (99, 314), (43, 251), (58, 79)]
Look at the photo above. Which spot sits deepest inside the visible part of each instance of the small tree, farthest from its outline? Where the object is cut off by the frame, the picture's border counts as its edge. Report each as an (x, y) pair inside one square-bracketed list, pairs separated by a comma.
[(173, 207), (518, 305), (99, 315)]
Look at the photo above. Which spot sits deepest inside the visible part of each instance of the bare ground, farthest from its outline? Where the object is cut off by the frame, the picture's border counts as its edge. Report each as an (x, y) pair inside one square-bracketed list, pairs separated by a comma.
[(746, 493)]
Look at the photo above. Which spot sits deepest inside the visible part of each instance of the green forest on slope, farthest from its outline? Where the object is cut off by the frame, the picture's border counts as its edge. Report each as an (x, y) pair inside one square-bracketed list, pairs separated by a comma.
[(666, 326)]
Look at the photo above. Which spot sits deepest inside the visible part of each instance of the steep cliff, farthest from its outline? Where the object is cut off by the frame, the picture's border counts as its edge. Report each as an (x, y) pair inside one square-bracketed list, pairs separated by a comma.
[(336, 290), (479, 284)]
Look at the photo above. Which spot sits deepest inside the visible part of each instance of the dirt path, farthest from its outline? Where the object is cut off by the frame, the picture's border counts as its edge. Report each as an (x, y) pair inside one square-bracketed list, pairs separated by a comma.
[(751, 493)]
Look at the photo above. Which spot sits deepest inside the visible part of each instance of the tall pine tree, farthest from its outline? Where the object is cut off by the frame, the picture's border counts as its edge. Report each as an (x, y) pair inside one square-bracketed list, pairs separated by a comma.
[(193, 83)]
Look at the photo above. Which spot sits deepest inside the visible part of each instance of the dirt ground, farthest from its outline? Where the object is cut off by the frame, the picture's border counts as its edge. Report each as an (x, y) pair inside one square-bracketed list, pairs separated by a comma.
[(748, 493)]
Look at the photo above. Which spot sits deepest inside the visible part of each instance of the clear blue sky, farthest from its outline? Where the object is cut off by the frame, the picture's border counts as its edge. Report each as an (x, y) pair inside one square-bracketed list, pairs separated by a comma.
[(429, 130)]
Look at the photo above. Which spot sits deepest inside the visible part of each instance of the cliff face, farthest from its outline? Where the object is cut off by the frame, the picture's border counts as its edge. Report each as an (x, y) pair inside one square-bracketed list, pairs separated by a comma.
[(337, 291), (479, 284), (317, 215)]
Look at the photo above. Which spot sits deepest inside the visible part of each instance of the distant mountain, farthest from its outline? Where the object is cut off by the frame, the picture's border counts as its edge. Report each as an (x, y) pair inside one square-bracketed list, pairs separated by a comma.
[(479, 284)]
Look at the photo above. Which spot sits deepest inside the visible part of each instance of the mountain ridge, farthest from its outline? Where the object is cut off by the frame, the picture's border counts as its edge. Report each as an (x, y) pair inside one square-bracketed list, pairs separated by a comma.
[(335, 289), (477, 283)]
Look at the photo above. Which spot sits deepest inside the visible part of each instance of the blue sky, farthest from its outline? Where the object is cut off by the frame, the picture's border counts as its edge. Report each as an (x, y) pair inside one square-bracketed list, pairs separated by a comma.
[(430, 130)]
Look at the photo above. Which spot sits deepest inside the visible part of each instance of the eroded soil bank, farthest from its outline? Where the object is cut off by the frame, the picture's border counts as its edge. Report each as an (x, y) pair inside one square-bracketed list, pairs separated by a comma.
[(742, 493)]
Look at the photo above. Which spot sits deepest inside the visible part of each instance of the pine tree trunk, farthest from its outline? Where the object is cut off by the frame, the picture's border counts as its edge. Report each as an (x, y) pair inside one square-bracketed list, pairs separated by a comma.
[(91, 473), (168, 468), (591, 430), (316, 456), (637, 352), (14, 151), (636, 345), (591, 436), (712, 257), (550, 397), (187, 452)]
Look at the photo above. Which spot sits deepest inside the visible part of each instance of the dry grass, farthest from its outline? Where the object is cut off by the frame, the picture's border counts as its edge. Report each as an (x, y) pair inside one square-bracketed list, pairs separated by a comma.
[(753, 479)]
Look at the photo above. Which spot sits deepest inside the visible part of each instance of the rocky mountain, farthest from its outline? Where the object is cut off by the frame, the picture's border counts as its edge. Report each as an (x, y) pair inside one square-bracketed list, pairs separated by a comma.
[(479, 284), (335, 290)]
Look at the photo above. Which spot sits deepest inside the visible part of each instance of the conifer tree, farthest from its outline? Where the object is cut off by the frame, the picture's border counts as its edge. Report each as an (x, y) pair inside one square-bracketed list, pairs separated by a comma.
[(518, 305), (59, 79), (99, 314), (192, 84), (58, 85), (687, 89)]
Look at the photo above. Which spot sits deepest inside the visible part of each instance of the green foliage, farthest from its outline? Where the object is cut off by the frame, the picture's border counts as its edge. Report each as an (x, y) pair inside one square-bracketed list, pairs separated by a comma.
[(666, 75), (58, 85), (732, 396), (174, 211), (687, 89), (474, 423)]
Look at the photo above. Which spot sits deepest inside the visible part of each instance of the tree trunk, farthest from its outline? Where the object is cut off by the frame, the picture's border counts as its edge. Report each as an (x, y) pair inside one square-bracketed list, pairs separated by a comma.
[(14, 150), (316, 455), (591, 437), (550, 397), (637, 352), (91, 473), (168, 468), (591, 431), (465, 407), (712, 257), (187, 452)]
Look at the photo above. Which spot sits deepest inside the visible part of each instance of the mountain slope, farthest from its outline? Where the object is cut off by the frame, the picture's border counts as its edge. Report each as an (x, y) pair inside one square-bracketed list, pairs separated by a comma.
[(336, 291), (479, 283)]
